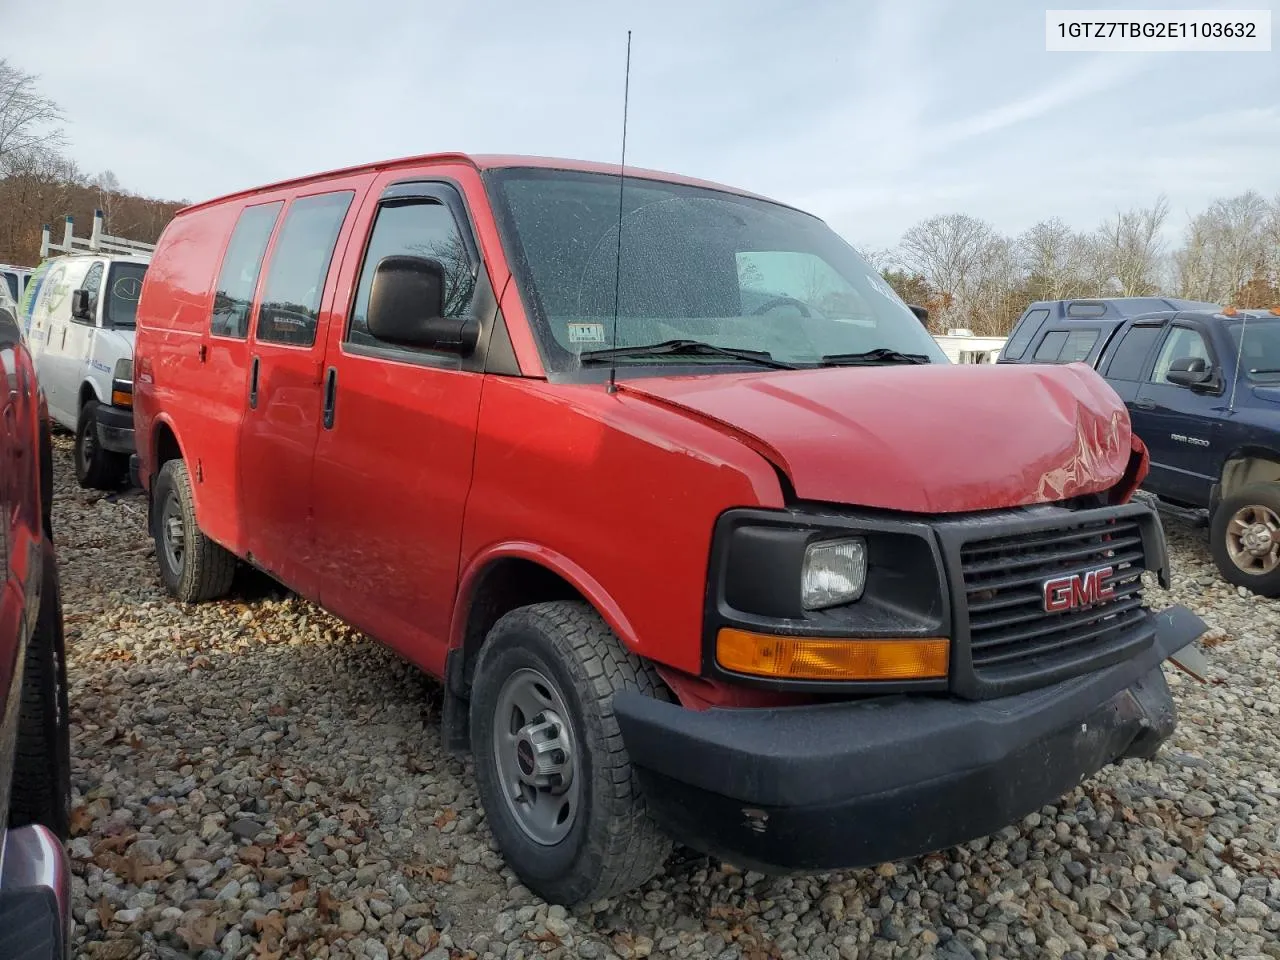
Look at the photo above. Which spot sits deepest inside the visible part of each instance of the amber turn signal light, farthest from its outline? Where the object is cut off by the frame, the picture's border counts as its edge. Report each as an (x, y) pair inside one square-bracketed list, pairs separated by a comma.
[(824, 658), (121, 398)]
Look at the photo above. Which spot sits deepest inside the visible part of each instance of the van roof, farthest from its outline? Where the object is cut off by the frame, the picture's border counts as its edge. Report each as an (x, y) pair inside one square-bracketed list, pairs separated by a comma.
[(480, 162)]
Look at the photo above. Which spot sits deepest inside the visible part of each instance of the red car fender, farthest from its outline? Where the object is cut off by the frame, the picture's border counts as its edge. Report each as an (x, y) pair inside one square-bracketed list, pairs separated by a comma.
[(558, 564)]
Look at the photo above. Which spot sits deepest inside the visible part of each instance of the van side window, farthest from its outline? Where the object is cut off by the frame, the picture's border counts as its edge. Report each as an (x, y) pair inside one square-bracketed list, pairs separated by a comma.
[(1127, 362), (419, 228), (299, 264), (238, 277), (93, 283)]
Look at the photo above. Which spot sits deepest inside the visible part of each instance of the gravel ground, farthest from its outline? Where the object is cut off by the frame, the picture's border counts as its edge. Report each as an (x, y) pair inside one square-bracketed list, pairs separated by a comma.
[(253, 778)]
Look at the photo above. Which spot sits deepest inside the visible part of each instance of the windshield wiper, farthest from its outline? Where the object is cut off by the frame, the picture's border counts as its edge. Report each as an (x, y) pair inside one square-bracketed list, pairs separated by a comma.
[(878, 355), (684, 348)]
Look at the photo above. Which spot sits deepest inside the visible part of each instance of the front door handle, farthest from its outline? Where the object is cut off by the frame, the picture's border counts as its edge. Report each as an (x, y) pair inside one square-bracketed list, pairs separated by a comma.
[(330, 395), (1145, 404), (253, 384)]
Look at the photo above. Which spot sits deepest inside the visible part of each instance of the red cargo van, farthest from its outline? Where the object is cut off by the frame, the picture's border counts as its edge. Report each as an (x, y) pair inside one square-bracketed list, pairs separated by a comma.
[(722, 571)]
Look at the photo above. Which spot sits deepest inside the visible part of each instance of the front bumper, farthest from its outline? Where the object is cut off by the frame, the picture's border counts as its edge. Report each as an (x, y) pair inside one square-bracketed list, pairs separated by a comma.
[(844, 785), (35, 896), (115, 429)]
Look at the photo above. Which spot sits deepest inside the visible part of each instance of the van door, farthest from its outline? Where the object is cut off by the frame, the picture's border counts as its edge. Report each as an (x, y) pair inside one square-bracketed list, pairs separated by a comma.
[(393, 461), (283, 400), (58, 336), (78, 343)]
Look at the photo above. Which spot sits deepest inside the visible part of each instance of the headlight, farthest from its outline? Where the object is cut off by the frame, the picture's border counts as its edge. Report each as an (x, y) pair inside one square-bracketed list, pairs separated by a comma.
[(834, 572), (124, 370)]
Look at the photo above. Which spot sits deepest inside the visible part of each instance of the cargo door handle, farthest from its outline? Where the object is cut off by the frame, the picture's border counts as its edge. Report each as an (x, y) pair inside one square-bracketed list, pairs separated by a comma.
[(330, 395), (253, 384), (1145, 404)]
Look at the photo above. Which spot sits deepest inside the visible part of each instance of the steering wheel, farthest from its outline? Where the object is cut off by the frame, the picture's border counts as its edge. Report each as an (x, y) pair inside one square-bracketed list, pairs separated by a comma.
[(781, 302)]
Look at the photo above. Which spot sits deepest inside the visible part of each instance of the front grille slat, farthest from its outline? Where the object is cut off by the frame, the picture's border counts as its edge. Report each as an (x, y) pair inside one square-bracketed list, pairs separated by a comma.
[(1068, 638), (1011, 635), (1039, 574), (1036, 560), (1044, 627)]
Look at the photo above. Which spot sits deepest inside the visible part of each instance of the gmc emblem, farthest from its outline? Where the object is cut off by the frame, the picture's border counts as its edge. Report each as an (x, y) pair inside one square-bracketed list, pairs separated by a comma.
[(1077, 590)]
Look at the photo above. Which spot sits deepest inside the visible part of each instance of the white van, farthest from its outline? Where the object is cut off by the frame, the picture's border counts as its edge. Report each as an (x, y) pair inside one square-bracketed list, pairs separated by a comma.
[(80, 330)]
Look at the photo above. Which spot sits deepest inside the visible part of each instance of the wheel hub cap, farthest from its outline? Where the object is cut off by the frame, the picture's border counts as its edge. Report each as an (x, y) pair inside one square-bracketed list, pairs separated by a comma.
[(535, 755), (1253, 540), (172, 533), (1257, 539)]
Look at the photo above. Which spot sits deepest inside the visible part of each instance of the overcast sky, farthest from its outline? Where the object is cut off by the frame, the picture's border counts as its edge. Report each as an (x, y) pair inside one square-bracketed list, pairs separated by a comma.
[(872, 115)]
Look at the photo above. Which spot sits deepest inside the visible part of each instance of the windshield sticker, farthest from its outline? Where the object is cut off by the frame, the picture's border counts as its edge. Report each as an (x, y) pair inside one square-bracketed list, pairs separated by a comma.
[(127, 288), (586, 333)]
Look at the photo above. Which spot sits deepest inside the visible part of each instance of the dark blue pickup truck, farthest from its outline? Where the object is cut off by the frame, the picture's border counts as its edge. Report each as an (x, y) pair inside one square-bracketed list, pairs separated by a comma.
[(1202, 384)]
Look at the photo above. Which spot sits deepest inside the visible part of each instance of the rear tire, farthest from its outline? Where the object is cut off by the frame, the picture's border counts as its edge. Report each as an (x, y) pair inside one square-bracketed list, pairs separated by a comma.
[(42, 764), (1244, 538), (607, 843), (192, 566), (96, 468)]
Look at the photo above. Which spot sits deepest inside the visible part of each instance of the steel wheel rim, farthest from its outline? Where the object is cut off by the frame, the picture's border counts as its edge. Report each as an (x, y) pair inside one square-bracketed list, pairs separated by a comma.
[(172, 535), (1253, 539), (87, 441), (535, 754)]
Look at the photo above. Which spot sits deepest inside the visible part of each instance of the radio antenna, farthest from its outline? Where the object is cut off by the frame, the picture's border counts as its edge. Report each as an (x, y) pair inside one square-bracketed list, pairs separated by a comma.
[(622, 181)]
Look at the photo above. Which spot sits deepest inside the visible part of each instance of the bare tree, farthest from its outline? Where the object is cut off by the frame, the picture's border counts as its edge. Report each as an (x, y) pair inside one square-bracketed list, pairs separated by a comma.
[(1133, 249), (27, 120), (108, 187), (1055, 259), (948, 252), (1226, 249)]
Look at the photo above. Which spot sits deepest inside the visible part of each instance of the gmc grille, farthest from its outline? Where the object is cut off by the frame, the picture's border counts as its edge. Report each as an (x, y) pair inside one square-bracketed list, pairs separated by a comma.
[(1014, 643)]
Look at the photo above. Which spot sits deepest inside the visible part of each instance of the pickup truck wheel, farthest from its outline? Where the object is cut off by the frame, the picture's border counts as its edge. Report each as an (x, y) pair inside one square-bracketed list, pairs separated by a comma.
[(96, 468), (42, 761), (192, 566), (1245, 538), (554, 777)]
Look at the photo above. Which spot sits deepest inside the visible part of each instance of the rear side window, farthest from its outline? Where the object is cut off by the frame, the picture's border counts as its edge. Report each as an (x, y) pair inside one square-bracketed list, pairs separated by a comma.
[(1051, 346), (1021, 339), (240, 268), (420, 228), (1130, 356), (299, 265)]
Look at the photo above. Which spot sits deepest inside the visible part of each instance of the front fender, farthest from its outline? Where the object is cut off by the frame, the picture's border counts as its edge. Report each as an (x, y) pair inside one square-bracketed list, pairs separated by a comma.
[(572, 573)]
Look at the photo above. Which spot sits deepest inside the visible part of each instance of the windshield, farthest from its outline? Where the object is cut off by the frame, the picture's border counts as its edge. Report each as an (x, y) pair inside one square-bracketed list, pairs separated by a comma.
[(124, 286), (1260, 356), (697, 264)]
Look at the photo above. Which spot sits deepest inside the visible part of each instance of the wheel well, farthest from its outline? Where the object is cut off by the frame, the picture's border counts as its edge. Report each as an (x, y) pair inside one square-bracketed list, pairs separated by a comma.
[(1243, 471), (166, 446), (86, 394), (505, 585)]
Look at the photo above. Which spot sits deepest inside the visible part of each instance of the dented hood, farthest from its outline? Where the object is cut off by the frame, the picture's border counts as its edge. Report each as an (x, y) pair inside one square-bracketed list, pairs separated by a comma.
[(929, 438)]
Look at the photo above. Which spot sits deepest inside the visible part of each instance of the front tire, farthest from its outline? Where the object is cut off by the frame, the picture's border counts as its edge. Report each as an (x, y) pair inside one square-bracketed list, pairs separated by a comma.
[(42, 763), (192, 566), (553, 774), (1245, 538), (96, 468)]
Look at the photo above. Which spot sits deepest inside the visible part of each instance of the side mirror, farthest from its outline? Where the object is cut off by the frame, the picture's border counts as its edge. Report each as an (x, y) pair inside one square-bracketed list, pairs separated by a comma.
[(921, 314), (1189, 372), (406, 307), (80, 308)]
